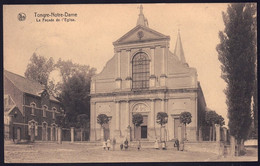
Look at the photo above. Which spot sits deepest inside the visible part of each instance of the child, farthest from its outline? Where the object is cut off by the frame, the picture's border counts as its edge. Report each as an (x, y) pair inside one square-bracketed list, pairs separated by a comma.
[(104, 144), (121, 146), (114, 143), (139, 145), (177, 144), (108, 144), (126, 144), (156, 144)]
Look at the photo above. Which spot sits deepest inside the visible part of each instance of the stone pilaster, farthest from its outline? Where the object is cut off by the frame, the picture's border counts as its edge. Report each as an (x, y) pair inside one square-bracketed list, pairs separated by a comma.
[(117, 118), (163, 75), (93, 86), (72, 134), (118, 79), (151, 124), (93, 121), (217, 126), (56, 130), (166, 126), (52, 133), (128, 78)]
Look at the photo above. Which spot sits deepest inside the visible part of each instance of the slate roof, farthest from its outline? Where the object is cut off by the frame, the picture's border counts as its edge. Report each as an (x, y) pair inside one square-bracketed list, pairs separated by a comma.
[(26, 85)]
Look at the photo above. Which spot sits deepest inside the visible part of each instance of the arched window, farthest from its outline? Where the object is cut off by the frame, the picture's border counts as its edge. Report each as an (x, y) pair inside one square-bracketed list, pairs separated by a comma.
[(141, 71), (53, 112), (45, 108), (33, 105)]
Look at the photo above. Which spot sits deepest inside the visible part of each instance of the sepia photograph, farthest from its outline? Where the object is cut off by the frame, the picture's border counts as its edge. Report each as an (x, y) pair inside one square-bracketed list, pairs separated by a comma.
[(124, 83)]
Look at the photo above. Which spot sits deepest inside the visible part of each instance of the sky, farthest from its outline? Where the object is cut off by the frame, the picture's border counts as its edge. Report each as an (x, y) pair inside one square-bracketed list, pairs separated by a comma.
[(88, 39)]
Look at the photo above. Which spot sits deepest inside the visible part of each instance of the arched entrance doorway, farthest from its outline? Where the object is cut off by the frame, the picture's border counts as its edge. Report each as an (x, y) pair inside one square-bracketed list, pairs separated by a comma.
[(141, 132), (53, 132), (44, 131), (32, 130)]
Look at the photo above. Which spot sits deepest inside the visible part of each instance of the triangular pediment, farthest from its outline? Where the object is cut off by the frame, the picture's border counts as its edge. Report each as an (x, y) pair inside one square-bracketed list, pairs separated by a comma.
[(140, 34)]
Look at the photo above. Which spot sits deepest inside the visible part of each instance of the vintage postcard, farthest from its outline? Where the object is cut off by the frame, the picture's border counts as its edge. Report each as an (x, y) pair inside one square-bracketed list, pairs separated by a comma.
[(126, 83)]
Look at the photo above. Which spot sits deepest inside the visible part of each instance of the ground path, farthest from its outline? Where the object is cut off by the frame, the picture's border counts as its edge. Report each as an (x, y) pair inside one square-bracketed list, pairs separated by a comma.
[(83, 153)]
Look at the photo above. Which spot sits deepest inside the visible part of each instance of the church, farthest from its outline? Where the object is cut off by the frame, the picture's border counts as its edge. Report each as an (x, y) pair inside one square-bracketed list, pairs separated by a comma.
[(144, 76)]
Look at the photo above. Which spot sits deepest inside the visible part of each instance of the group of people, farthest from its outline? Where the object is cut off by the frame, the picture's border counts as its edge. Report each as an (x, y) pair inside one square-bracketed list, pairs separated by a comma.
[(176, 144), (156, 144), (124, 144), (107, 144)]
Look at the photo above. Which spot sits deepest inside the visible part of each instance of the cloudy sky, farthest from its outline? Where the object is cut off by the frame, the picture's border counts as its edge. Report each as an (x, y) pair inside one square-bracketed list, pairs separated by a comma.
[(88, 40)]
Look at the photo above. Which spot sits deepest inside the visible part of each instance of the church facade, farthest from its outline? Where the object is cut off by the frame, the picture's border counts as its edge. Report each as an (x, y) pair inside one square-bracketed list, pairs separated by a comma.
[(145, 77)]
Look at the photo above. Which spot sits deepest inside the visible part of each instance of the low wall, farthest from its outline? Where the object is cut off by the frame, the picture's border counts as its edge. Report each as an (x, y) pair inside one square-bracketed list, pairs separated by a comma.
[(205, 146)]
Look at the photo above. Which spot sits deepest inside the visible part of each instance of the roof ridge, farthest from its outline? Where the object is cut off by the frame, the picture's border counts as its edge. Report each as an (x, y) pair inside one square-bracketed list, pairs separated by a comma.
[(23, 77)]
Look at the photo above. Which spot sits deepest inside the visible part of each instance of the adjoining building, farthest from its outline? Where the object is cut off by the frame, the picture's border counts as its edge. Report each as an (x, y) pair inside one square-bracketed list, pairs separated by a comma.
[(29, 110), (145, 77)]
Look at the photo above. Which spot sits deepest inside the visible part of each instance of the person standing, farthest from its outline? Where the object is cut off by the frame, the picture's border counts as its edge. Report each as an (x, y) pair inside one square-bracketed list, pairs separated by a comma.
[(156, 144), (139, 145), (114, 143), (177, 144), (108, 144), (104, 145), (126, 144), (164, 145)]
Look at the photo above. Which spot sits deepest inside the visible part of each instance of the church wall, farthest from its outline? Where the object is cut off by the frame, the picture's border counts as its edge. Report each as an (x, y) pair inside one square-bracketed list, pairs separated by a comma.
[(157, 62), (178, 105), (107, 108), (123, 64), (123, 120), (157, 109), (105, 86), (179, 82)]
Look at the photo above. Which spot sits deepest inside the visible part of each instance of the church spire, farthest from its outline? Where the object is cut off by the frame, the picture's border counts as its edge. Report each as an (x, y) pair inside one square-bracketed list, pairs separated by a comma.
[(141, 19), (178, 49)]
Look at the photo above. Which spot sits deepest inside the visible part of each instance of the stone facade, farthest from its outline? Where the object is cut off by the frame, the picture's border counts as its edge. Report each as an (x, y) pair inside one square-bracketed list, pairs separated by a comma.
[(172, 87)]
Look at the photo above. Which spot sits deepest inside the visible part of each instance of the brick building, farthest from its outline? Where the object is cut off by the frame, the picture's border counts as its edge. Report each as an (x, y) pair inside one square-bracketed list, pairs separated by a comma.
[(29, 110)]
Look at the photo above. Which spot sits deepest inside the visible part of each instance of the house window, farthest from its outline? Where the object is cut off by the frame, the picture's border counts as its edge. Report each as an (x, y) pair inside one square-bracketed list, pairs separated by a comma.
[(33, 105), (44, 110), (53, 112), (141, 73)]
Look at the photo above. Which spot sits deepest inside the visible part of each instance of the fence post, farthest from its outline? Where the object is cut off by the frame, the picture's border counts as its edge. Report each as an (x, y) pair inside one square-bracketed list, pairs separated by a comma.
[(59, 135), (225, 134), (200, 134), (217, 126), (232, 145), (72, 134)]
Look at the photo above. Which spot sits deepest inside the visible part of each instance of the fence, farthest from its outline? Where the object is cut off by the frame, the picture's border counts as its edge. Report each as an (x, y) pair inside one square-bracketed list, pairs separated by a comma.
[(78, 134)]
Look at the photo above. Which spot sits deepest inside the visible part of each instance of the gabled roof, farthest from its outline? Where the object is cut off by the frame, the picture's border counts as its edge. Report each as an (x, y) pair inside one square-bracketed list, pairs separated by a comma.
[(26, 85), (134, 35)]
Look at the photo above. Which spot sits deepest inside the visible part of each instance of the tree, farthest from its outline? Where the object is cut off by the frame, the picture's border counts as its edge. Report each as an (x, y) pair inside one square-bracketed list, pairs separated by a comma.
[(83, 123), (75, 97), (137, 119), (102, 119), (185, 118), (211, 119), (162, 119), (39, 69), (237, 53)]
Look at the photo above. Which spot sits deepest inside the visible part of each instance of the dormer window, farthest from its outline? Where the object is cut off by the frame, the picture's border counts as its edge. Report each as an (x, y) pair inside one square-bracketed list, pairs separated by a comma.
[(53, 112), (33, 105), (45, 108)]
